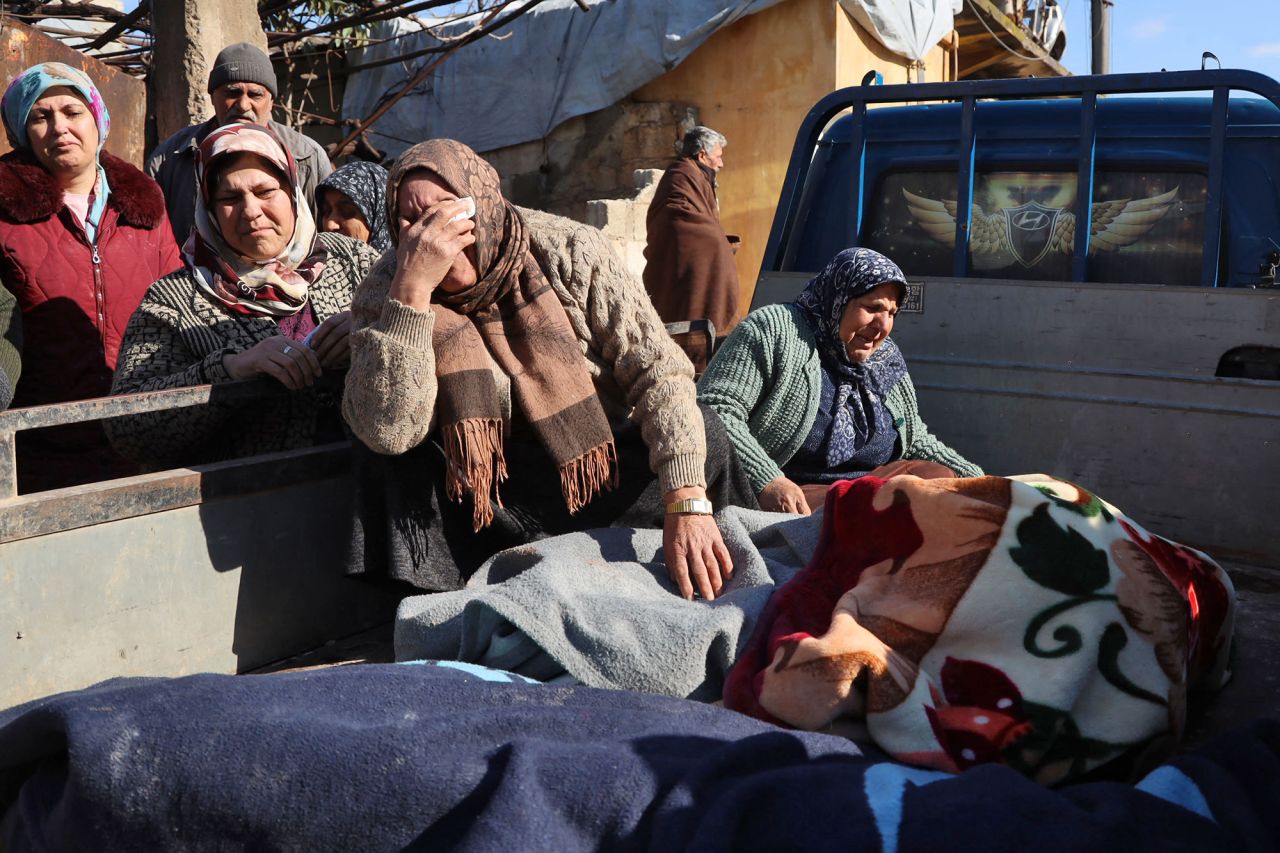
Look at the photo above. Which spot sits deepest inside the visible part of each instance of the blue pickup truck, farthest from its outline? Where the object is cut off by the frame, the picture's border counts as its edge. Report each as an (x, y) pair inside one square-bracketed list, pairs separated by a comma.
[(1093, 265)]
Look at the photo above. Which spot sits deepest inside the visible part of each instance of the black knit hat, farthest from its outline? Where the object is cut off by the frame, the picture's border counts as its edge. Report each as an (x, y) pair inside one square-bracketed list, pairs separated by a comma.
[(242, 63)]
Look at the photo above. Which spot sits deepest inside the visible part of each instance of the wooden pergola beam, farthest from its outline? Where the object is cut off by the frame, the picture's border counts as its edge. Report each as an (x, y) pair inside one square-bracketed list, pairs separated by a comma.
[(143, 9)]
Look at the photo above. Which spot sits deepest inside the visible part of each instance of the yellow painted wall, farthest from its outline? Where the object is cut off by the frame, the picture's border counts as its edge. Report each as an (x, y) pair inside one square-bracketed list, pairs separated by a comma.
[(754, 82), (858, 52)]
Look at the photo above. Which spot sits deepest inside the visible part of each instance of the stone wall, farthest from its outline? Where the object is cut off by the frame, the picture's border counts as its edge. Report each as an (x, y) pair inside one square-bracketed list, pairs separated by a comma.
[(592, 157), (623, 219)]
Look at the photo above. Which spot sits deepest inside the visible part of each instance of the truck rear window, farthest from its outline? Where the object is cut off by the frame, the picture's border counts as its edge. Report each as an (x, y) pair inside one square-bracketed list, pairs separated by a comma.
[(1148, 227)]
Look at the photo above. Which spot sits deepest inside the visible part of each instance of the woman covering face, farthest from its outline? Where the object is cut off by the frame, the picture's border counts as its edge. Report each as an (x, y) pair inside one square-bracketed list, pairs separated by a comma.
[(262, 294), (352, 201), (517, 340), (83, 234), (547, 374), (817, 391)]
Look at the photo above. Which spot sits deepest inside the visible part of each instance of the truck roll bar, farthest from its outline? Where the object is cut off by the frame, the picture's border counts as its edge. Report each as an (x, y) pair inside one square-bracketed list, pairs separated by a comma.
[(967, 92)]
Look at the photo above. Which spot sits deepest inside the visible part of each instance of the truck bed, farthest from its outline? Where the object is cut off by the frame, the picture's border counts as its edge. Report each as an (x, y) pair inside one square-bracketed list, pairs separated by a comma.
[(1254, 688)]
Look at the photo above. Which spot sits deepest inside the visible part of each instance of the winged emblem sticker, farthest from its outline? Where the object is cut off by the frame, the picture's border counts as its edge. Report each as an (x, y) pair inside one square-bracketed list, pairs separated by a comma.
[(1027, 233)]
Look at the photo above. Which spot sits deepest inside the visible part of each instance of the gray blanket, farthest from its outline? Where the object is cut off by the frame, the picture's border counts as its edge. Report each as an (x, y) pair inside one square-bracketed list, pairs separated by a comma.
[(597, 608)]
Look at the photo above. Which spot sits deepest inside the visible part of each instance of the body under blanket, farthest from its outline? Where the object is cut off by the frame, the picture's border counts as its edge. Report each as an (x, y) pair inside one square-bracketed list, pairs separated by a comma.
[(597, 607), (1015, 620)]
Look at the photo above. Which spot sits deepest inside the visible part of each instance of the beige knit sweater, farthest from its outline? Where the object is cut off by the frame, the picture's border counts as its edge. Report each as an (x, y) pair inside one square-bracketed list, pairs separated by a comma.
[(638, 370)]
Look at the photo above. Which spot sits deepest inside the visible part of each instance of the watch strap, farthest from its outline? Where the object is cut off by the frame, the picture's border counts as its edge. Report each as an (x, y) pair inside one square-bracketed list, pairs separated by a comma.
[(690, 506)]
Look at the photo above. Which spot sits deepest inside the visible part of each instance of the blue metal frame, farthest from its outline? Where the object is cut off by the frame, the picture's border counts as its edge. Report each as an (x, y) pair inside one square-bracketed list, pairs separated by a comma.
[(964, 186), (1084, 189), (969, 92)]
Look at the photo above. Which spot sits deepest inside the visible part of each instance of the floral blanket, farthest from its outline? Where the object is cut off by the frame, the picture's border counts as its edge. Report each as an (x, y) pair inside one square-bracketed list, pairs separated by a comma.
[(1020, 621)]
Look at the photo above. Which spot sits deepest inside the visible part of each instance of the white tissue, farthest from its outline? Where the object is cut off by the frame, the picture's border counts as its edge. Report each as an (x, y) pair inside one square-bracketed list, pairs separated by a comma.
[(470, 212)]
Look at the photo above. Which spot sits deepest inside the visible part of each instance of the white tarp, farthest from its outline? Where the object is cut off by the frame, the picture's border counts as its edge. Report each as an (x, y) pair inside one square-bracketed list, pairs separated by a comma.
[(552, 64), (909, 28)]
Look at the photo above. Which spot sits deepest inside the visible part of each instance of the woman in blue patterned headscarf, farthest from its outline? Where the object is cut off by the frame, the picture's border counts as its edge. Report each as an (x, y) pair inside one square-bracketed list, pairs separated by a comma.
[(353, 201), (82, 236), (815, 391), (27, 88), (851, 306), (77, 165)]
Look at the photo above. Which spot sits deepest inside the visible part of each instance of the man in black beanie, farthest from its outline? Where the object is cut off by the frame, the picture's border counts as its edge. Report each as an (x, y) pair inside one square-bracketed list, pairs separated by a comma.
[(242, 87)]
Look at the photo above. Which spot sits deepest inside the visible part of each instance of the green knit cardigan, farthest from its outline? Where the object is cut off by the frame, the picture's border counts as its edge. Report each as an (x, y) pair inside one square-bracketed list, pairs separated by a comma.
[(765, 381)]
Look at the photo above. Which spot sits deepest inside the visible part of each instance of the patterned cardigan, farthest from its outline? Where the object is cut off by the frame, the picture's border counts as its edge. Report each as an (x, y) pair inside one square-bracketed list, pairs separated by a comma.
[(178, 337)]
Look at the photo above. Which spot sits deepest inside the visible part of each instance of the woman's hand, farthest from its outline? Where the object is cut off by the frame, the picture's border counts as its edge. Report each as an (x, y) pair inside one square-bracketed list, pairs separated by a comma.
[(288, 362), (782, 495), (427, 251), (694, 551), (331, 342)]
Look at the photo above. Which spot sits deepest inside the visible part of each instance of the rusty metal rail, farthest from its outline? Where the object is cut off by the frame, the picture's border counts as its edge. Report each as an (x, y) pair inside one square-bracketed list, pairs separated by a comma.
[(61, 510), (101, 408)]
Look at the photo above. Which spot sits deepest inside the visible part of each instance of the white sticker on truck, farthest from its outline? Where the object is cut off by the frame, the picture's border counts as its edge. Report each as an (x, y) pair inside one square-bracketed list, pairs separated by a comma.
[(914, 301)]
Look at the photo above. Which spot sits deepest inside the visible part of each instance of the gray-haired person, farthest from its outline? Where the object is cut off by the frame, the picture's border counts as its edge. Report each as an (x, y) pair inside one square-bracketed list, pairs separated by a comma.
[(242, 87), (689, 268), (704, 145)]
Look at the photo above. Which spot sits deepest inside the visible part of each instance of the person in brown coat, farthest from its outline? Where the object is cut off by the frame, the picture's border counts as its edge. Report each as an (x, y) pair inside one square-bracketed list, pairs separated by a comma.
[(689, 270)]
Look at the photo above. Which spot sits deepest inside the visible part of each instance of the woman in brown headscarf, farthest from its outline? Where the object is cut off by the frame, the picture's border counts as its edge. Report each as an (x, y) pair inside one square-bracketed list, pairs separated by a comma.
[(513, 346)]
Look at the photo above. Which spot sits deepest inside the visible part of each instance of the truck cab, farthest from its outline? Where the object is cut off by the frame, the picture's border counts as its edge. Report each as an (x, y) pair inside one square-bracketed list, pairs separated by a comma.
[(1148, 193), (1092, 265)]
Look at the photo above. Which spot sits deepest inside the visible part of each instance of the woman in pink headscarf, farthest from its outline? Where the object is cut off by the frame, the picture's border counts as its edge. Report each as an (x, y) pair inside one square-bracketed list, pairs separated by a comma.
[(262, 294)]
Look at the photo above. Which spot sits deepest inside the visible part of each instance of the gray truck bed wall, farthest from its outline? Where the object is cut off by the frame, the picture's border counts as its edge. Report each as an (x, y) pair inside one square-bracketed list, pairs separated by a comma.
[(232, 566), (1112, 387), (223, 568)]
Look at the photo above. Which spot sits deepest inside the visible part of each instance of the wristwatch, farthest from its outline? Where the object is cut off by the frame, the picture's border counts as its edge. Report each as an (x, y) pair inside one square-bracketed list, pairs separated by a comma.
[(690, 506)]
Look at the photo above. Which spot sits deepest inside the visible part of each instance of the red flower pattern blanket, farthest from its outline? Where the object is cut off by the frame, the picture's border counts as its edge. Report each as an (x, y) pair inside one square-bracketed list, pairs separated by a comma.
[(1020, 621)]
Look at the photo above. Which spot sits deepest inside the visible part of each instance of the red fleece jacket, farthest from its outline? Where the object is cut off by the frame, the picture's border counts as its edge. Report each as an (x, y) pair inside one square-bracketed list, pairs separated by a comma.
[(75, 310)]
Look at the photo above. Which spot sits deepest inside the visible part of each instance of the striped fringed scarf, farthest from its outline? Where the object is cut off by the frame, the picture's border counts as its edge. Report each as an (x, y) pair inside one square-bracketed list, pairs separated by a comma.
[(510, 322), (527, 336)]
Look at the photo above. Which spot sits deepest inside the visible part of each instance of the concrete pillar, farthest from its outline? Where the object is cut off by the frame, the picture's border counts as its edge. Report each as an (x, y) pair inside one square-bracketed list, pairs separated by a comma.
[(189, 34)]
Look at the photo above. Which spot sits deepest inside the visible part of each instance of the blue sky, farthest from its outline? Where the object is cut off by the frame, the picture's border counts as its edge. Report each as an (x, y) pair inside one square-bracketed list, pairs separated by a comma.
[(1147, 35)]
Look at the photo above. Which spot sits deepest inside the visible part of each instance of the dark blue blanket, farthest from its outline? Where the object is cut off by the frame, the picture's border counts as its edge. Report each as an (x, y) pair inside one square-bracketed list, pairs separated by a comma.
[(384, 757)]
